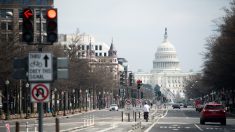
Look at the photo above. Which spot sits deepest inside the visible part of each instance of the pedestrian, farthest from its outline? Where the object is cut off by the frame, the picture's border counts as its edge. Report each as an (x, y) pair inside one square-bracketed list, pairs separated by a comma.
[(146, 110)]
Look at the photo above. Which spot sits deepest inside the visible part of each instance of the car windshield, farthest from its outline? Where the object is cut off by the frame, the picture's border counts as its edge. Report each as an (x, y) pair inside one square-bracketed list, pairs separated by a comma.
[(214, 107)]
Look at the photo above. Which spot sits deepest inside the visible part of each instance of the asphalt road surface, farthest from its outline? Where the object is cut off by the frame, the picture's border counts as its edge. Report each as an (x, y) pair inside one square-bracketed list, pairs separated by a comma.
[(187, 120)]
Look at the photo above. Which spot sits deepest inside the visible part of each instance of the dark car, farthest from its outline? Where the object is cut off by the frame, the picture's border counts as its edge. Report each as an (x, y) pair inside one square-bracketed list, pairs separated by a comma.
[(174, 106), (213, 112)]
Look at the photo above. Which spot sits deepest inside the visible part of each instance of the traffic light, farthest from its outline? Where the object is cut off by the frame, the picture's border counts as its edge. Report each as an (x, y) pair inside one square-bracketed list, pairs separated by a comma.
[(139, 83), (27, 30), (122, 78), (130, 79), (51, 25)]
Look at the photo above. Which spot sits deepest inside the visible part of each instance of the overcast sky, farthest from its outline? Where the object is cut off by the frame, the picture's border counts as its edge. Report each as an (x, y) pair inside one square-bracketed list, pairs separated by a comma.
[(137, 26)]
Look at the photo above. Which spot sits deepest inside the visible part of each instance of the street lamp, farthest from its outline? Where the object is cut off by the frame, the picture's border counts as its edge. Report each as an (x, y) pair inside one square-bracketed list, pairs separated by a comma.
[(104, 103), (26, 99), (86, 98), (80, 100), (73, 101), (55, 103), (63, 93), (99, 100), (7, 95)]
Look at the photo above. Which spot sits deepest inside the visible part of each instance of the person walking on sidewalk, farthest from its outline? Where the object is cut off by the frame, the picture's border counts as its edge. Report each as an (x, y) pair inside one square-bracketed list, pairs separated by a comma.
[(146, 110)]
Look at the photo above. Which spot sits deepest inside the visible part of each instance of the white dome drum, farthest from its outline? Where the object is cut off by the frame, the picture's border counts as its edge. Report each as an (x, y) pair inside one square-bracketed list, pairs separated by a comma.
[(166, 58)]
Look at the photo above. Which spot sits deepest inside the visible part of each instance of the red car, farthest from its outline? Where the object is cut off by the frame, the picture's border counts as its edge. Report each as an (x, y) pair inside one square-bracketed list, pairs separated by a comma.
[(213, 112)]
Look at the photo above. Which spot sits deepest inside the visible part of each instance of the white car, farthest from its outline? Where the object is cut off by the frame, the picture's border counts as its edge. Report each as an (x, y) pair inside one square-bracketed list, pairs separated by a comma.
[(113, 107)]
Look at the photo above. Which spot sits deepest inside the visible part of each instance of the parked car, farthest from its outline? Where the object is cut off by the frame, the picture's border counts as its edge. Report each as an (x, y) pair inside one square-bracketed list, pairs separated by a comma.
[(113, 107), (176, 106), (213, 112)]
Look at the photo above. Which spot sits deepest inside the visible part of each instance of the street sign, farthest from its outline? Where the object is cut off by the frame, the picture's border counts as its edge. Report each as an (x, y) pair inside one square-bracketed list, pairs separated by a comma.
[(40, 92), (128, 106), (40, 67), (138, 105)]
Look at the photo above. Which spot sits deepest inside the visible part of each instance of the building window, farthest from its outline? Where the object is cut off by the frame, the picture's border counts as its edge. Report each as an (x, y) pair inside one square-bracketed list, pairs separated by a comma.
[(100, 47), (6, 26), (6, 13), (100, 54), (87, 47), (96, 47), (20, 13), (105, 54), (38, 27), (83, 47), (96, 54)]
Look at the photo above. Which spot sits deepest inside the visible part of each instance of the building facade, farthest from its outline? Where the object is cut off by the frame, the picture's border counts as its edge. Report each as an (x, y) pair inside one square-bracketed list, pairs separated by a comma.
[(166, 71)]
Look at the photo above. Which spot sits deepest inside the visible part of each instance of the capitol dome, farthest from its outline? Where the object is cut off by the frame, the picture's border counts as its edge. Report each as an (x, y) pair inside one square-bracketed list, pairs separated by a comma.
[(166, 59)]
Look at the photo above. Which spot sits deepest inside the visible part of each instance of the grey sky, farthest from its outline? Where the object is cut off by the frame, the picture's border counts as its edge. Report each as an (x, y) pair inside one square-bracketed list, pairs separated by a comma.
[(137, 26)]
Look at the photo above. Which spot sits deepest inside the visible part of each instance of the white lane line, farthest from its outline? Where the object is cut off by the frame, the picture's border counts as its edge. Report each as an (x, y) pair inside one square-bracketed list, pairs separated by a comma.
[(198, 127), (147, 130), (110, 128)]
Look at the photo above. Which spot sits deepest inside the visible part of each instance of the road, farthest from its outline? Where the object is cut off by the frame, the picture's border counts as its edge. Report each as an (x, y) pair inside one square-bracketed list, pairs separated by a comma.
[(165, 120), (97, 120), (187, 120)]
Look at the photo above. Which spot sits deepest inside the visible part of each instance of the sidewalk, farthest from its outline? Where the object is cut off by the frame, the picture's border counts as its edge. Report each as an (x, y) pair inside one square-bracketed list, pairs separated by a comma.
[(46, 115)]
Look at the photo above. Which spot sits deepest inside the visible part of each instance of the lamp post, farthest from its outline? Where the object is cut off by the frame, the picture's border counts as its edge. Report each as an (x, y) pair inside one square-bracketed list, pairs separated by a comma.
[(7, 95), (99, 100), (63, 93), (55, 103), (86, 98), (73, 101), (26, 99), (104, 103), (107, 99), (80, 100)]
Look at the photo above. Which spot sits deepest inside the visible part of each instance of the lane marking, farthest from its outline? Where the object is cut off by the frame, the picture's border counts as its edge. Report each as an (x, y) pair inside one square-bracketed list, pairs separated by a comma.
[(147, 130), (110, 128), (198, 127)]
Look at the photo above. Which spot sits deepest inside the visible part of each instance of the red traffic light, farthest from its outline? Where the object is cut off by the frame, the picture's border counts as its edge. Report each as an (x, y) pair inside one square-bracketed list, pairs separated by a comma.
[(27, 29), (51, 13), (139, 81), (27, 14), (51, 25)]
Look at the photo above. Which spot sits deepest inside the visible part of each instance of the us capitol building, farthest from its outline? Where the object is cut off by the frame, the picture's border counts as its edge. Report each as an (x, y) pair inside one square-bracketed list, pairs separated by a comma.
[(166, 71)]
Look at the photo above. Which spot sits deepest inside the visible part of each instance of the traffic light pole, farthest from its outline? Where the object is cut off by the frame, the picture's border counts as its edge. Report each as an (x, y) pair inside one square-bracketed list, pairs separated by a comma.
[(40, 104)]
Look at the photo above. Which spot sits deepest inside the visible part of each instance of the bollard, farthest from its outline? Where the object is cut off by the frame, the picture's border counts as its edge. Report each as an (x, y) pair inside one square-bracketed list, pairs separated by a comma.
[(93, 120), (84, 121), (57, 125), (122, 116), (87, 120), (139, 114), (27, 129), (135, 116), (128, 117), (35, 126), (17, 127), (90, 120)]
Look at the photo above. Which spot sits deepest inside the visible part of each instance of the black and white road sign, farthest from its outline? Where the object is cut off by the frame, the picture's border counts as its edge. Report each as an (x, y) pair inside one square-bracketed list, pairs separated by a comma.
[(128, 106), (40, 67), (40, 92)]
